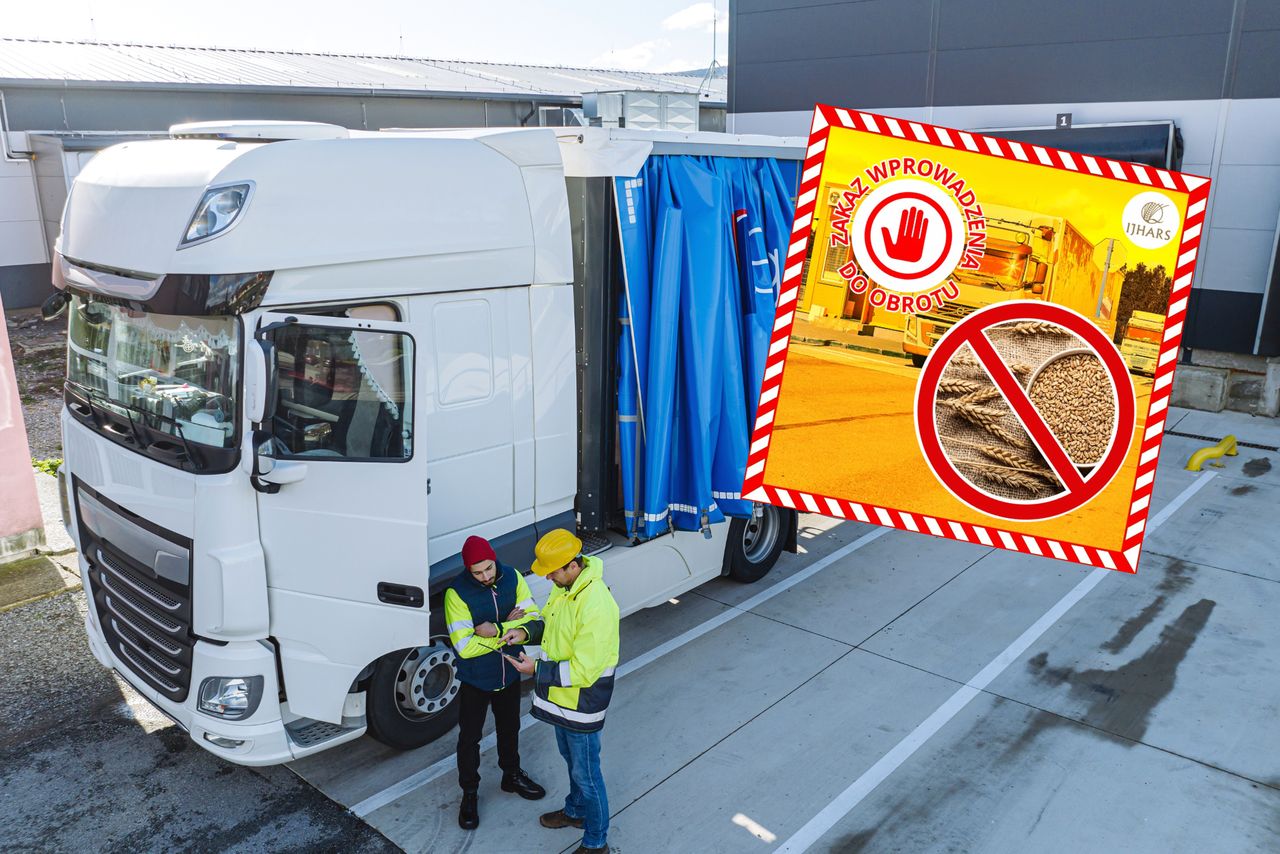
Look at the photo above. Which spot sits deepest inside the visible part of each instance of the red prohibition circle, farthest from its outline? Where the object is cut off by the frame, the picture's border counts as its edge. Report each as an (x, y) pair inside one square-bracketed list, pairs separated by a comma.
[(875, 212), (968, 331)]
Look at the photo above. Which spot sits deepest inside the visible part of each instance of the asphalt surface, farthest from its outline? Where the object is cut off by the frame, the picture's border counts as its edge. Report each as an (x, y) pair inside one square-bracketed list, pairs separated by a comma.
[(87, 765)]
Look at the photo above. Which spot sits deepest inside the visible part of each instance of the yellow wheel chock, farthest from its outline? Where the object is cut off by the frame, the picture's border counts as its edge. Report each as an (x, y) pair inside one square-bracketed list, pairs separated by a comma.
[(1225, 448)]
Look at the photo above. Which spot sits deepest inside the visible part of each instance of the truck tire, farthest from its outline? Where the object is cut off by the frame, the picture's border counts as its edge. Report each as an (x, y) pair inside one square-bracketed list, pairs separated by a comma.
[(917, 359), (412, 696), (755, 543)]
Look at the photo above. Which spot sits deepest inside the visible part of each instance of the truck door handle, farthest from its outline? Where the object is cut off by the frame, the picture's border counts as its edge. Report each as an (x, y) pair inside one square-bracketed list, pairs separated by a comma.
[(400, 594)]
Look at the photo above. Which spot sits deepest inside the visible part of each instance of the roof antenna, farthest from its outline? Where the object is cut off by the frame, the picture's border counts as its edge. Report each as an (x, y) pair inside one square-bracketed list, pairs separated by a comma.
[(711, 69)]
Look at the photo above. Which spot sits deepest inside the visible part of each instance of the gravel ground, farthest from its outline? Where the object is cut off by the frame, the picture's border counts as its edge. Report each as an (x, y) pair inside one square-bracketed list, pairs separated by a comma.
[(88, 765), (40, 360)]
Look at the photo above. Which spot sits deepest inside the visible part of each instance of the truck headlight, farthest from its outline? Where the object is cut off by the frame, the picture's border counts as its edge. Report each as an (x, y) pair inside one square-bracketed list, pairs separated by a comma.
[(231, 698), (218, 210)]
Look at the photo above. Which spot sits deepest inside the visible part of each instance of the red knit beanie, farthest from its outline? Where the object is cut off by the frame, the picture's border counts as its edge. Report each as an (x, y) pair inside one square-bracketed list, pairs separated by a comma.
[(476, 549)]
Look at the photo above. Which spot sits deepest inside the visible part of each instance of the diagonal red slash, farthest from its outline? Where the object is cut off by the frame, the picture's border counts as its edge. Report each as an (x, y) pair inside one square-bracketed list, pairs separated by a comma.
[(1017, 397)]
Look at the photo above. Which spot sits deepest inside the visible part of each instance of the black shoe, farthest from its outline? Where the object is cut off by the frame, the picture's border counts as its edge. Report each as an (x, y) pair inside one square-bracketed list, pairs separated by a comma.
[(582, 849), (469, 812), (520, 783)]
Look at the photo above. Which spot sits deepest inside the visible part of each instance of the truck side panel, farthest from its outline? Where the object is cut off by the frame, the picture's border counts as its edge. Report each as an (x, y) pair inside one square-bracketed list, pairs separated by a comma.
[(554, 404), (1076, 279)]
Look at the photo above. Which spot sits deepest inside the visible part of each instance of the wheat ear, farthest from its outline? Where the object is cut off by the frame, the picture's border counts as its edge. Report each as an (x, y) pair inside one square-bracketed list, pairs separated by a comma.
[(1035, 327), (959, 386), (1013, 479)]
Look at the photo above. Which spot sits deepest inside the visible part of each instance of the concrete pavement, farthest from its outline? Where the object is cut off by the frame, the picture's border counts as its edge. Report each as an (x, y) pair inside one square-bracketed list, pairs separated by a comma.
[(1141, 718)]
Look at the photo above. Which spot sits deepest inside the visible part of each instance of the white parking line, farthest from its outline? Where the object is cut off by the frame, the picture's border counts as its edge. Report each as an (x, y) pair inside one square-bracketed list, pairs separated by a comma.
[(845, 802), (449, 763)]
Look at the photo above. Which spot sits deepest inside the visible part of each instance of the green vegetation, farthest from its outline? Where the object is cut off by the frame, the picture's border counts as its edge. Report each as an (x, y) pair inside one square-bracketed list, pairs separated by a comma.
[(1144, 289), (49, 466)]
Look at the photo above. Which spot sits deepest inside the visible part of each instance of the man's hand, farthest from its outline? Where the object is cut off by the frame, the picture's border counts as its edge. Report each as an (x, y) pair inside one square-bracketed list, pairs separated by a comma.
[(487, 630), (516, 635), (516, 613), (524, 663)]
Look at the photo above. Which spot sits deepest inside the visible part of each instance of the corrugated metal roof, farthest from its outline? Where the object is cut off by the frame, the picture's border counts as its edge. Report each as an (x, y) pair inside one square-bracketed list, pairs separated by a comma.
[(33, 61)]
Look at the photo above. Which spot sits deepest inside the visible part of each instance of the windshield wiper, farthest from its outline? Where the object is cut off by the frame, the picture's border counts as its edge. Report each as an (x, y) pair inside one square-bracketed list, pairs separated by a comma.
[(139, 436)]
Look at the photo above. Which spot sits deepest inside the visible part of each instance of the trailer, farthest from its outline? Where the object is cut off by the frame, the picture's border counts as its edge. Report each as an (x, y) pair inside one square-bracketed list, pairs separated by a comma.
[(305, 363), (1141, 343)]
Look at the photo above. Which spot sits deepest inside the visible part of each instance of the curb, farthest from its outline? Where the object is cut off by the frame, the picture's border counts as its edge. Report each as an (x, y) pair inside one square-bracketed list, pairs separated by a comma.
[(47, 595), (47, 575), (832, 342)]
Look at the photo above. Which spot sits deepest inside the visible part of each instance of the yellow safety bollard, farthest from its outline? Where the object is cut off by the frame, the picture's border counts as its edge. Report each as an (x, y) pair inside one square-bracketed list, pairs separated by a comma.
[(1225, 448)]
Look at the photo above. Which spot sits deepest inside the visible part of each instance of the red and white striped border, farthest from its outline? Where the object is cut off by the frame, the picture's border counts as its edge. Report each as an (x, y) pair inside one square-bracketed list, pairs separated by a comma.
[(1124, 559)]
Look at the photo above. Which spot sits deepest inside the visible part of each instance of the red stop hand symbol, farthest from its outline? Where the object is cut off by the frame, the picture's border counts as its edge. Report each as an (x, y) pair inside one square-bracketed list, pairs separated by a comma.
[(913, 225)]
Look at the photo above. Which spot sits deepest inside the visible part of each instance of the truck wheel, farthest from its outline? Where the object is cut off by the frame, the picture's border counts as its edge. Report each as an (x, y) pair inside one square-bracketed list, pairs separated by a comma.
[(917, 359), (755, 543), (413, 695)]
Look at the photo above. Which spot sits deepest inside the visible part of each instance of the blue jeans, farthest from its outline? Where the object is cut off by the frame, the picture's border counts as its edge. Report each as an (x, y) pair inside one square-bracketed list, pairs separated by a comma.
[(587, 799)]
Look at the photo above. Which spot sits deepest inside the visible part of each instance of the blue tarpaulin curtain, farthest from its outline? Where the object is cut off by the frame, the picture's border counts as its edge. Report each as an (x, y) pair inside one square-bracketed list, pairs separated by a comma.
[(703, 240)]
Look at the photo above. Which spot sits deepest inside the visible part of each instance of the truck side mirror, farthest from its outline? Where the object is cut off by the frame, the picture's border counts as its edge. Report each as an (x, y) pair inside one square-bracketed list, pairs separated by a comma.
[(257, 376), (55, 305), (260, 374)]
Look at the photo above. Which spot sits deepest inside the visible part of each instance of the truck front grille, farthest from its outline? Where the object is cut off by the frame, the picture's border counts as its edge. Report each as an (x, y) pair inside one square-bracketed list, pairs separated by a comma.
[(145, 618), (147, 627)]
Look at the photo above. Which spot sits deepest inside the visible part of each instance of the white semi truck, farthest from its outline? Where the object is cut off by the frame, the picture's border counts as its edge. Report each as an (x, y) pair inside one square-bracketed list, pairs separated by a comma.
[(304, 364)]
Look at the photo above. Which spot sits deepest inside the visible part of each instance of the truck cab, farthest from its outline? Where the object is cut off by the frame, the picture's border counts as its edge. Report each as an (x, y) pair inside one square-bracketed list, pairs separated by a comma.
[(304, 364)]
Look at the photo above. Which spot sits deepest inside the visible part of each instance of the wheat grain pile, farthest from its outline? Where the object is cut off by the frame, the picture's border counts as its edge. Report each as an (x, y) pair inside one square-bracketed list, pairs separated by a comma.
[(983, 437), (1073, 396)]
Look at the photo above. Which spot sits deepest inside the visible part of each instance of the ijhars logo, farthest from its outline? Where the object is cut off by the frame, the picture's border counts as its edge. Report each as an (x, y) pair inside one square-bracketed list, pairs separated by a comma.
[(1150, 220), (908, 235)]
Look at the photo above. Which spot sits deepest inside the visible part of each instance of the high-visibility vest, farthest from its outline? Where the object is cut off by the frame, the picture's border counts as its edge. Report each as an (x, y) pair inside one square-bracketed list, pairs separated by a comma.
[(467, 604), (580, 642)]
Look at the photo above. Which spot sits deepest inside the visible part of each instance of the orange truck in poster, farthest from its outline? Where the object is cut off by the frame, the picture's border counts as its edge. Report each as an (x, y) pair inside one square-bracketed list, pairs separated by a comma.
[(1028, 256)]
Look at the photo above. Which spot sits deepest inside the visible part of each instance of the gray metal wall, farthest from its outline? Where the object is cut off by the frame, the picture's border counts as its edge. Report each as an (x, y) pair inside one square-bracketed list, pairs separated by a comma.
[(1213, 66)]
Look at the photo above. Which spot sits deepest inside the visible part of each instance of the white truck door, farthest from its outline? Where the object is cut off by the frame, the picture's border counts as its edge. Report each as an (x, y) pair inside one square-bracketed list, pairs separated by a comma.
[(344, 528)]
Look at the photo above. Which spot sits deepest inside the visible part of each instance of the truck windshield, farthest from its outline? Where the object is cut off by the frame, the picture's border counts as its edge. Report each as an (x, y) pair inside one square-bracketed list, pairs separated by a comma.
[(181, 369)]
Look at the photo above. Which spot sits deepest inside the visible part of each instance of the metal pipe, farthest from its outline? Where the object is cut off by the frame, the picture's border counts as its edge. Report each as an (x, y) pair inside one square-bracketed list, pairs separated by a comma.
[(1227, 447), (9, 155)]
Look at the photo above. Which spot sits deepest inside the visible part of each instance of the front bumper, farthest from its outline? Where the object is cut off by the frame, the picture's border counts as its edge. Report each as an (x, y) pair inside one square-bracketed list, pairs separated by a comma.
[(264, 738)]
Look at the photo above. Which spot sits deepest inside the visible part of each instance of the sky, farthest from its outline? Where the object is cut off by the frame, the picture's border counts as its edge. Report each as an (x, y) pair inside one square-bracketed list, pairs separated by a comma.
[(652, 35)]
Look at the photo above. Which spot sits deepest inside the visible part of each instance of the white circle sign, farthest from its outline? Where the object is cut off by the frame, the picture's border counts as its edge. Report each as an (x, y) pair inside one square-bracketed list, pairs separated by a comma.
[(908, 235), (1150, 220)]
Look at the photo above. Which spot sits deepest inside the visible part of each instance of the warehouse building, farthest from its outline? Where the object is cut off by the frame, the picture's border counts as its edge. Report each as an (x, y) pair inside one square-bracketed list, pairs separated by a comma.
[(60, 102), (1192, 84)]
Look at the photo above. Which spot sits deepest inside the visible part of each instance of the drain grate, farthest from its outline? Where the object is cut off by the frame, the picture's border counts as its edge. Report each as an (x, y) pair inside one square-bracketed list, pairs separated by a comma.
[(1216, 439)]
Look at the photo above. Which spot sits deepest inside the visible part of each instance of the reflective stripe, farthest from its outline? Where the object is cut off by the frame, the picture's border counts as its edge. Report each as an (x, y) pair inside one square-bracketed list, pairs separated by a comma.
[(528, 605), (607, 672), (566, 677), (462, 644), (567, 714), (460, 625)]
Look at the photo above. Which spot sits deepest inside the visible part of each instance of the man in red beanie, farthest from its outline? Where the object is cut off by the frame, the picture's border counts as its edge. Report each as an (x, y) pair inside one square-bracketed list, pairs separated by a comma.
[(485, 601)]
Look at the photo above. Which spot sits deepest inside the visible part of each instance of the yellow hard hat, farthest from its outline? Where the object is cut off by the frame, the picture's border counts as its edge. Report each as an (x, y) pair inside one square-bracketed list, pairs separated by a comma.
[(554, 551)]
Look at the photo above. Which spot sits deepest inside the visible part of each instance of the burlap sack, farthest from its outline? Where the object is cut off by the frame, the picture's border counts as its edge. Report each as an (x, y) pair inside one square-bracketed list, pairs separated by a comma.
[(997, 455)]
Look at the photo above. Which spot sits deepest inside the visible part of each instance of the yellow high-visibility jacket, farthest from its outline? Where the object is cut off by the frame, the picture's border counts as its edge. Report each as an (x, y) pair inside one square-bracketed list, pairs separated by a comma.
[(580, 641)]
